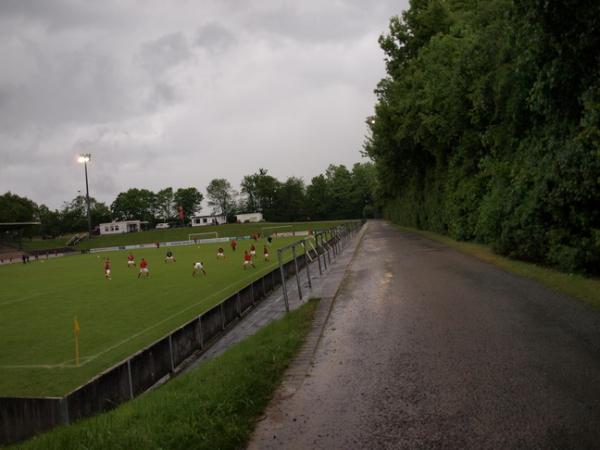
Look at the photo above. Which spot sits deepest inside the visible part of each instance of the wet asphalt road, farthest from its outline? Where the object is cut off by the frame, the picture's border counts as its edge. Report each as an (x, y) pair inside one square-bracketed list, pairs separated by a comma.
[(430, 348)]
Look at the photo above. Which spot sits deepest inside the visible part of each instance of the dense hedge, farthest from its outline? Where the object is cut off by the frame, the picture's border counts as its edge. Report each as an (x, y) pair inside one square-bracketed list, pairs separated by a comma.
[(487, 126)]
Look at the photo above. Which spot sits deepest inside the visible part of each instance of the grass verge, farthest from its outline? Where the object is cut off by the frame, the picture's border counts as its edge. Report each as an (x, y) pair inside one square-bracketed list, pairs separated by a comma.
[(578, 286), (214, 406)]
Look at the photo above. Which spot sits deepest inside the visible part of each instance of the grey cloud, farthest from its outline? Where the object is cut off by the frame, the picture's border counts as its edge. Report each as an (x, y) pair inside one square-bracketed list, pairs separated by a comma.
[(214, 37), (158, 57), (171, 93), (321, 21), (164, 53), (78, 86), (161, 94), (61, 14)]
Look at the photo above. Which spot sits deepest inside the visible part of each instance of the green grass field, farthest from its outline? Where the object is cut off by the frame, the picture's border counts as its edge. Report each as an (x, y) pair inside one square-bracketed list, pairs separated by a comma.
[(117, 317), (173, 234)]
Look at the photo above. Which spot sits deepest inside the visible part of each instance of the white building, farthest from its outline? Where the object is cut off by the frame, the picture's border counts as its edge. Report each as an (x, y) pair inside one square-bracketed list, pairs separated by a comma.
[(126, 226), (250, 217), (202, 221)]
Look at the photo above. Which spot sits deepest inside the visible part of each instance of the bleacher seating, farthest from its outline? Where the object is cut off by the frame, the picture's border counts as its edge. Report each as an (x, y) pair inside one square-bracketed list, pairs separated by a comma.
[(10, 254), (76, 239)]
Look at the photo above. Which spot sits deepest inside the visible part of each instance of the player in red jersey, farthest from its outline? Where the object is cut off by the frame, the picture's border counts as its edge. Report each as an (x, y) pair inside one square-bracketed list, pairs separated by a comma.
[(107, 274), (248, 260), (144, 269), (253, 251), (266, 253), (130, 261), (233, 244)]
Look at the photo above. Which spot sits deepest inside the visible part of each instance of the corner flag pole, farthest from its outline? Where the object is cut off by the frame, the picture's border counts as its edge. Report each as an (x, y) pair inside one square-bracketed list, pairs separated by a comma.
[(76, 330)]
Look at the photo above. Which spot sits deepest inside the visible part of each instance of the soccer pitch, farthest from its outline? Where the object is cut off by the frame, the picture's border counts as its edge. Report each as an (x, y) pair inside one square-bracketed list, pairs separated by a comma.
[(117, 317)]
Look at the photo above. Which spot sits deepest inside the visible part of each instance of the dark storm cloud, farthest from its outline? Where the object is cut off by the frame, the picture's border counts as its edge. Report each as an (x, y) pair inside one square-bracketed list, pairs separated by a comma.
[(177, 93)]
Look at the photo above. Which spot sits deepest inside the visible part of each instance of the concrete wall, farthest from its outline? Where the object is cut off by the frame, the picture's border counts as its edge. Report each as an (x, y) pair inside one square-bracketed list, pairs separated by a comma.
[(270, 281), (258, 289), (186, 340), (150, 365), (21, 418), (102, 393), (212, 324), (230, 310), (246, 299)]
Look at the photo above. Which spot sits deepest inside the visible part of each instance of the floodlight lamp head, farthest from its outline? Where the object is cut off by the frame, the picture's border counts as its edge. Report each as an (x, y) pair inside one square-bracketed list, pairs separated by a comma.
[(84, 158)]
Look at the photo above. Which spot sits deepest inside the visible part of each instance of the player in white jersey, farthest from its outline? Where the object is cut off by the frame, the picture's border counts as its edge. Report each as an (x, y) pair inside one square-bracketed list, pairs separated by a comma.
[(198, 267)]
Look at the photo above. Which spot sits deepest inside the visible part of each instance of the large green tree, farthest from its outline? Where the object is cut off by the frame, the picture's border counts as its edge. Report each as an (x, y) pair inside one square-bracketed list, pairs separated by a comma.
[(14, 208), (260, 190), (134, 204), (51, 222), (339, 189), (290, 201), (486, 126), (73, 215), (189, 199), (221, 196), (165, 204), (318, 202)]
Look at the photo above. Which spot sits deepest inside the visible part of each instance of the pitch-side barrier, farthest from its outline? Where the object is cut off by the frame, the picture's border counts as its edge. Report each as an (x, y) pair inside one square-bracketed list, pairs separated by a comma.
[(23, 417)]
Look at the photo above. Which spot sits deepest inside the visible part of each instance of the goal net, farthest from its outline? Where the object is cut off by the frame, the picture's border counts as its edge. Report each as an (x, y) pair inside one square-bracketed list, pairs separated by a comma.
[(200, 236), (277, 230)]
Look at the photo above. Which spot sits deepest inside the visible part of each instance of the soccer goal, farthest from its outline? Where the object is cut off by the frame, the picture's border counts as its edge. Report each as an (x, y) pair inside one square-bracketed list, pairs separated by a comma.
[(280, 229), (200, 236)]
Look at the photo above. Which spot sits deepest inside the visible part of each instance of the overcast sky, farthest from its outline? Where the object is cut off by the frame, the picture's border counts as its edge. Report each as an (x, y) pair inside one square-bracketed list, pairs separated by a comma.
[(178, 93)]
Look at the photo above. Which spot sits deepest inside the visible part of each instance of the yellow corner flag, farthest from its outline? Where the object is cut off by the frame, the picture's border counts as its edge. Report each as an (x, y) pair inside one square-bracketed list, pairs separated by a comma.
[(76, 330)]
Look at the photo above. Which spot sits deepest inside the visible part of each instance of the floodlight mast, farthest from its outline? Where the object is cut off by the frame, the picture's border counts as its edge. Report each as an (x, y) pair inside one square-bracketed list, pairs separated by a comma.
[(85, 158)]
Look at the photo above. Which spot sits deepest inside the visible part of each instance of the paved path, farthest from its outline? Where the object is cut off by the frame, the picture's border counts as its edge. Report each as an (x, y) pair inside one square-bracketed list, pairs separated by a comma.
[(429, 348)]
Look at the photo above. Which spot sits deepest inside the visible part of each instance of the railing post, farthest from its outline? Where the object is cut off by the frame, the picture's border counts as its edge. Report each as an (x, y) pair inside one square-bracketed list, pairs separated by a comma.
[(307, 262), (283, 285), (333, 244), (296, 267), (324, 249), (318, 255)]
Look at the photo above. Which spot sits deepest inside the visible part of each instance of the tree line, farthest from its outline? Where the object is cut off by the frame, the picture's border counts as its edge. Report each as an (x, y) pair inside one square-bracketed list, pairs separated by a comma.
[(487, 126), (338, 193)]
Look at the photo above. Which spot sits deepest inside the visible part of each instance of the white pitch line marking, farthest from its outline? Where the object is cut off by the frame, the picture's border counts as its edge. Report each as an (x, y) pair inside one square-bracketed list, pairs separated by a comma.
[(65, 364)]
